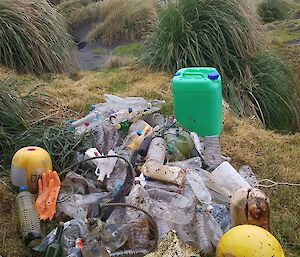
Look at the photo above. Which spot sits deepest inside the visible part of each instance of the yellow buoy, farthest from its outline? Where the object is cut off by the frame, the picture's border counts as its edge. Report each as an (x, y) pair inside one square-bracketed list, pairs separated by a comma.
[(248, 241), (27, 165)]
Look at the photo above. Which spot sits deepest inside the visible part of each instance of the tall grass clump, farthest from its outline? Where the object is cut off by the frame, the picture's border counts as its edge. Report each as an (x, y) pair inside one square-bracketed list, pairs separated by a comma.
[(33, 37), (217, 33), (78, 12), (275, 93), (272, 10), (123, 20)]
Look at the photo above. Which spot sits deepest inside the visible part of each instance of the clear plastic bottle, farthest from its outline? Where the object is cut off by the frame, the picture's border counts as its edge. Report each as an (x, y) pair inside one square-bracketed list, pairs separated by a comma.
[(157, 150), (156, 119), (76, 205), (184, 143), (198, 187), (138, 230), (173, 153), (192, 163), (170, 206), (163, 228), (29, 221), (114, 235), (212, 151)]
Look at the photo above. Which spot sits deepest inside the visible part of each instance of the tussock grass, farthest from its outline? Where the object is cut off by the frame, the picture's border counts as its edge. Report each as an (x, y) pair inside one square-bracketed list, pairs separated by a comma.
[(123, 20), (79, 11), (273, 10), (33, 37), (218, 33), (275, 93)]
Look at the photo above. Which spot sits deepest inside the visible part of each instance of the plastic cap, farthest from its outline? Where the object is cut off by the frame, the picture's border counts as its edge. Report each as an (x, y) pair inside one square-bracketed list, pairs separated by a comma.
[(22, 188), (213, 75), (139, 132), (93, 107), (130, 110)]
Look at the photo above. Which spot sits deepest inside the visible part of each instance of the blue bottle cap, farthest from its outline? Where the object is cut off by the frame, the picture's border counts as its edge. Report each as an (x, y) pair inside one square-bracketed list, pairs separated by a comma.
[(213, 75), (130, 110), (22, 188), (93, 107), (139, 132)]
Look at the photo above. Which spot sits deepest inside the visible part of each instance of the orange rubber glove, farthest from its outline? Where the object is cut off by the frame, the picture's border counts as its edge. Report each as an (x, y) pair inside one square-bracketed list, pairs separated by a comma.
[(49, 186)]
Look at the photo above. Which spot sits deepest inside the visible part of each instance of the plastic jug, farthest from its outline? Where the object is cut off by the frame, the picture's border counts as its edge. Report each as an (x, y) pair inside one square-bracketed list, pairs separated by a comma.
[(197, 94), (27, 165)]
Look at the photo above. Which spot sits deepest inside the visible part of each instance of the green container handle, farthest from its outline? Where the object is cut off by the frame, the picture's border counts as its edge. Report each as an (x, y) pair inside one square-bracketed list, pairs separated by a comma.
[(193, 72)]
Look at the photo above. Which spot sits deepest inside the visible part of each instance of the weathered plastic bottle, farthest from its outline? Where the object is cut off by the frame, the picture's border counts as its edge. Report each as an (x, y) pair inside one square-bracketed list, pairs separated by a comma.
[(157, 151), (29, 221), (157, 184), (192, 163), (120, 116), (164, 173), (138, 131), (198, 187), (212, 151), (173, 153), (184, 143), (138, 230), (155, 119), (177, 207), (114, 235), (163, 228), (208, 230)]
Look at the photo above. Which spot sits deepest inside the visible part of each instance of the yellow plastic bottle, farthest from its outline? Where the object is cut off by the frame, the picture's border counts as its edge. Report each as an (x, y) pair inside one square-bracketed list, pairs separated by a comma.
[(27, 165)]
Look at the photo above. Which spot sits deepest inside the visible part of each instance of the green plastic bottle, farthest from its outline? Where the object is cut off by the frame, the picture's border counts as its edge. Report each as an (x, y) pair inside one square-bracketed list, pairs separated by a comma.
[(55, 248), (197, 94)]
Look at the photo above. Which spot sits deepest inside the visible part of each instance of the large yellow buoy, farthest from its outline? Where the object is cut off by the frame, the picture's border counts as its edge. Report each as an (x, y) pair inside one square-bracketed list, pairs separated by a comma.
[(27, 165), (248, 241)]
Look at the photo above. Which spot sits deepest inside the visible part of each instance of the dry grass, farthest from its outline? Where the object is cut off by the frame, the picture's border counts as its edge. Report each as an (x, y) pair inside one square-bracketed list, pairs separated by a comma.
[(271, 155)]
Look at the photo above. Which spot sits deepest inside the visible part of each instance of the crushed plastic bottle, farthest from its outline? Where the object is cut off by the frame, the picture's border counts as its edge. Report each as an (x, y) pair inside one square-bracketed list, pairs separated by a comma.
[(138, 229), (170, 206), (173, 152), (198, 187), (208, 230), (184, 143), (212, 151), (163, 228), (157, 151), (192, 163), (156, 119), (28, 218), (114, 235), (75, 229), (76, 205)]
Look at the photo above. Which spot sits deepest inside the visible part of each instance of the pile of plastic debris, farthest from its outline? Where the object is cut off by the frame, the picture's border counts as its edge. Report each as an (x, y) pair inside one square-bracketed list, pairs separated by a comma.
[(144, 177)]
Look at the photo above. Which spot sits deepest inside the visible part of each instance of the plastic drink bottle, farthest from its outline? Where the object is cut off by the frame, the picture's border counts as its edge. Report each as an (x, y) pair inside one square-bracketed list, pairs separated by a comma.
[(212, 151), (137, 133), (29, 221), (157, 151), (164, 173), (138, 230)]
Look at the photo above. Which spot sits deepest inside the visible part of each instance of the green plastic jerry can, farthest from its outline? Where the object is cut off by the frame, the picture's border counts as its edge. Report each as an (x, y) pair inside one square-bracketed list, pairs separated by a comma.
[(197, 96)]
